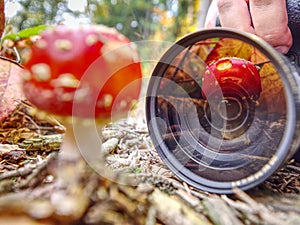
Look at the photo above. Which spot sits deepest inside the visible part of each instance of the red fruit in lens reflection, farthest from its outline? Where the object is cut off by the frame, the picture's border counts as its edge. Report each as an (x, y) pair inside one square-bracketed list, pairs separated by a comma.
[(233, 76), (85, 66)]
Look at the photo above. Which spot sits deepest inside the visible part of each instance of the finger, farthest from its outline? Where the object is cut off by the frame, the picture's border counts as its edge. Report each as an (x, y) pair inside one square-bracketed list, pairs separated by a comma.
[(270, 21), (235, 14)]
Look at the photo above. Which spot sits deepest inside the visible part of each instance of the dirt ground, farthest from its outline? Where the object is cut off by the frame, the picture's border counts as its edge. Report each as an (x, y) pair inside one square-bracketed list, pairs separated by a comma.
[(152, 193)]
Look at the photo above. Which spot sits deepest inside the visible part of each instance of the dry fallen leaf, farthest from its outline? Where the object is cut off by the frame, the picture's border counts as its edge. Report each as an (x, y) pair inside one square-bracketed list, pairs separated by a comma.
[(230, 47), (10, 86)]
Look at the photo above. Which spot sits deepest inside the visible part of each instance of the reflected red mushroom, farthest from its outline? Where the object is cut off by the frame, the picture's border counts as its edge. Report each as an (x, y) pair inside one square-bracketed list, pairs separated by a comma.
[(232, 75)]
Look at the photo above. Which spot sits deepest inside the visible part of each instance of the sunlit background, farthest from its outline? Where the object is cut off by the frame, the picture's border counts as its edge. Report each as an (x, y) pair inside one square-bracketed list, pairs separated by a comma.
[(138, 20)]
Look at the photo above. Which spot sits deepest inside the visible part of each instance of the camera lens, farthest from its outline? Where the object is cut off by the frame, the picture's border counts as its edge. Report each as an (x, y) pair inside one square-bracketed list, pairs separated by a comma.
[(223, 109)]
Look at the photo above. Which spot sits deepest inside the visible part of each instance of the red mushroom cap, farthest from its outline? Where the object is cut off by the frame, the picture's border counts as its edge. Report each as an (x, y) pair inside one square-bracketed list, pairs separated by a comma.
[(85, 71), (232, 76)]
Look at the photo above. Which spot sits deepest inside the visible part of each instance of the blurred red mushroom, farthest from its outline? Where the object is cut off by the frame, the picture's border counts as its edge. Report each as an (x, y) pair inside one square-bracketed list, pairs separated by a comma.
[(82, 75)]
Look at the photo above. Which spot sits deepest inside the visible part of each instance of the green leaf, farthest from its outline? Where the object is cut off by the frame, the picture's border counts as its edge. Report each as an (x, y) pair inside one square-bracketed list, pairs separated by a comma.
[(26, 33)]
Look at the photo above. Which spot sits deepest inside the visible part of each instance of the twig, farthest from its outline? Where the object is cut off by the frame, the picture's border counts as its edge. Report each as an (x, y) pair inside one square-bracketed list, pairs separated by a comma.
[(220, 212), (258, 208), (39, 168), (197, 194), (150, 219), (31, 120), (293, 167), (28, 169)]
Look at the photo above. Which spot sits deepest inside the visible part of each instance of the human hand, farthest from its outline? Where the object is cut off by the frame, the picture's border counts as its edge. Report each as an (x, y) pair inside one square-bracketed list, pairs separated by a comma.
[(267, 19)]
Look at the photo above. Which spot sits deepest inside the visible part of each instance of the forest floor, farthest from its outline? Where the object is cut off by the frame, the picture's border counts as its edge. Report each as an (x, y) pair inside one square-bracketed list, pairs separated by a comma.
[(28, 150)]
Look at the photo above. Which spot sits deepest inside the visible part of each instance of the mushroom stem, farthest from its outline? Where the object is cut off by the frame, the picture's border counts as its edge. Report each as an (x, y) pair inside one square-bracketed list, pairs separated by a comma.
[(81, 146), (69, 150)]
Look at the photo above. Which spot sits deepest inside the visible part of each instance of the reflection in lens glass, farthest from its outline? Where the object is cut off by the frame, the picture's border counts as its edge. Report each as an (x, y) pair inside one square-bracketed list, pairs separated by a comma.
[(224, 106)]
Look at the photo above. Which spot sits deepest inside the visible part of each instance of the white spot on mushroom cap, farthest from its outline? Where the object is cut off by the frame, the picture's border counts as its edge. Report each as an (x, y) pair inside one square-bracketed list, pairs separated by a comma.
[(41, 71), (64, 95), (41, 44), (67, 80), (101, 28), (106, 101), (59, 91), (31, 92), (47, 94), (123, 104), (91, 39), (82, 93), (67, 97), (63, 44), (118, 56), (26, 75)]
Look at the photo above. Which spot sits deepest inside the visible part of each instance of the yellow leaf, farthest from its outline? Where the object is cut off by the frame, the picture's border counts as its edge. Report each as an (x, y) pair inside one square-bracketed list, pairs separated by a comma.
[(228, 47), (272, 94)]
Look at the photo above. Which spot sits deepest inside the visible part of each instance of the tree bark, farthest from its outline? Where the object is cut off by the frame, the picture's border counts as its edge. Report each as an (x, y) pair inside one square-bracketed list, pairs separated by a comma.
[(2, 17)]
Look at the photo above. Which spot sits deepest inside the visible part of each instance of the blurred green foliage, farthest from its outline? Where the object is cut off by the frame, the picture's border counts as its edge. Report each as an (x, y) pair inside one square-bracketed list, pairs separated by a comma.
[(138, 20)]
